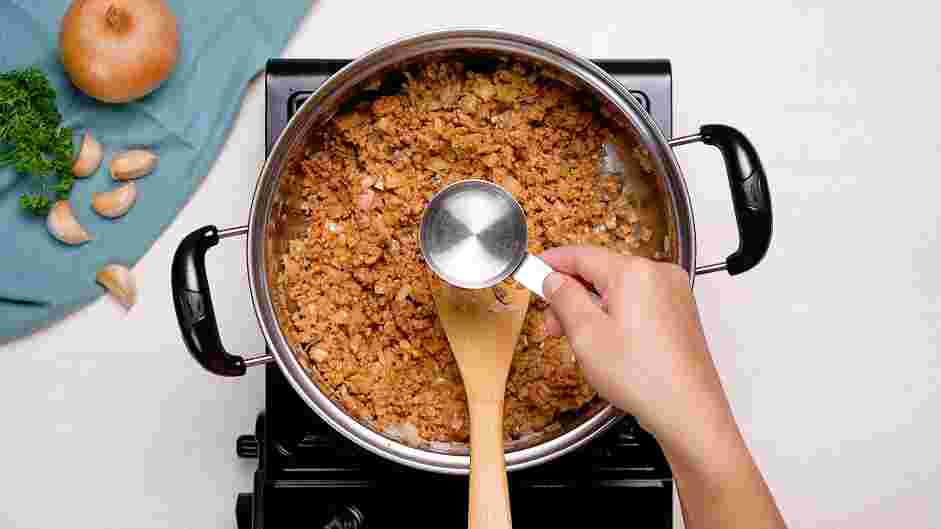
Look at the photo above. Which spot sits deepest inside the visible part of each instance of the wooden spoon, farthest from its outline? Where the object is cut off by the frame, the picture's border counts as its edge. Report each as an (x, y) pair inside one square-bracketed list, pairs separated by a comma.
[(483, 331)]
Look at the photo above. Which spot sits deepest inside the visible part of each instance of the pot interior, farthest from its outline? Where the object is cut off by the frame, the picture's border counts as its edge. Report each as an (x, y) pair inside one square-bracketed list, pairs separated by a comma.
[(277, 219)]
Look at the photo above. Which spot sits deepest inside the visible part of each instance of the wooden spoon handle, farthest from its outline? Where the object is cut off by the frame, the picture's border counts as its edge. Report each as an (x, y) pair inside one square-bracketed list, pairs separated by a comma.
[(489, 495)]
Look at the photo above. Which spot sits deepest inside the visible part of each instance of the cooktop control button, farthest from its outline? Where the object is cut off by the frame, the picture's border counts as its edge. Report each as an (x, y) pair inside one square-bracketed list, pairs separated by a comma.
[(246, 446), (243, 511), (345, 517)]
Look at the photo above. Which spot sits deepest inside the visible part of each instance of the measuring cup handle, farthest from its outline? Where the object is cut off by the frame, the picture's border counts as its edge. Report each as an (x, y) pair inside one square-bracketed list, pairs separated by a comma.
[(531, 273)]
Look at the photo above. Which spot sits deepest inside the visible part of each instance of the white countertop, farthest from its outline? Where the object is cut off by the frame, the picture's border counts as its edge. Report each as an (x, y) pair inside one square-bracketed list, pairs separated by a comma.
[(829, 349)]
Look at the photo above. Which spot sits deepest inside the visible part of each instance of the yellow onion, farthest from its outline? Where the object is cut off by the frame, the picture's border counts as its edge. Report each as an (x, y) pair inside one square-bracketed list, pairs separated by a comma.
[(118, 50)]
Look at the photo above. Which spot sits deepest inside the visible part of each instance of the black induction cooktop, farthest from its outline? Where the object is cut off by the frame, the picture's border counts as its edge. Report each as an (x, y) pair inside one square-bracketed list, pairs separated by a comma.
[(310, 476)]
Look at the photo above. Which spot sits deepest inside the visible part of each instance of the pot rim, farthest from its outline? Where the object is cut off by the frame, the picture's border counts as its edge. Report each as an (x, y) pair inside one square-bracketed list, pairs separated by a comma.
[(365, 66)]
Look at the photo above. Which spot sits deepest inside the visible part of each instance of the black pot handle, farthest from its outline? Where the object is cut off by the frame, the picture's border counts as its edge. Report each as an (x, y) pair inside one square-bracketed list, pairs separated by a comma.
[(750, 196), (193, 304)]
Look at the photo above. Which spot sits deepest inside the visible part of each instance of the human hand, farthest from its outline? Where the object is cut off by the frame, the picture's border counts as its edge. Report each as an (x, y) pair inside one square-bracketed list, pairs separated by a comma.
[(643, 347)]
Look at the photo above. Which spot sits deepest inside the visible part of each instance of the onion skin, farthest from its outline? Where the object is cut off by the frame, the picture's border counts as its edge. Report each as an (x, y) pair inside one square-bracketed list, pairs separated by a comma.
[(119, 50)]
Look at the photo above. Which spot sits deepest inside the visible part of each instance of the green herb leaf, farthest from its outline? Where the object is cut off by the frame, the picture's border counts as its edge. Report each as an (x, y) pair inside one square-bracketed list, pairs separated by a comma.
[(35, 203), (31, 139)]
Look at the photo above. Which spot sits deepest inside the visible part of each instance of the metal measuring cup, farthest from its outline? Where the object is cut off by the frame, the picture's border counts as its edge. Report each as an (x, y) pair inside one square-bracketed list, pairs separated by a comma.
[(473, 235)]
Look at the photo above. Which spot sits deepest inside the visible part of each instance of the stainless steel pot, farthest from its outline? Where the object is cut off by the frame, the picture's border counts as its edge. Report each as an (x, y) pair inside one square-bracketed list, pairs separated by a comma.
[(269, 227)]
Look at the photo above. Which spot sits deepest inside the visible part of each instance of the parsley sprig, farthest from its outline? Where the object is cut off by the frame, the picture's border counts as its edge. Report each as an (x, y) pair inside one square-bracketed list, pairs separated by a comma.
[(31, 138)]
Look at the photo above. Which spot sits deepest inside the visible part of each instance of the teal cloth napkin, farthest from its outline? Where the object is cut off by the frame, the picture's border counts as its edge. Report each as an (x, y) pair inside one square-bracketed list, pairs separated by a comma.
[(223, 45)]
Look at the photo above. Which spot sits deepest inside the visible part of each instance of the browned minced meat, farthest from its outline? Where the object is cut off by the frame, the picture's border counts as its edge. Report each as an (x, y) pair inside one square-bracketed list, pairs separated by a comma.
[(365, 318)]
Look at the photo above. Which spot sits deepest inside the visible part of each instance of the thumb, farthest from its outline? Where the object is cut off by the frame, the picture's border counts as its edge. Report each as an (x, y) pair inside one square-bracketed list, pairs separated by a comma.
[(573, 304)]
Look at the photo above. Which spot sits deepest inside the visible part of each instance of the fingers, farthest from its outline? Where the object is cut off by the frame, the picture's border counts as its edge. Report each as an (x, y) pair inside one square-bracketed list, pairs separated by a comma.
[(552, 323), (596, 265), (573, 306)]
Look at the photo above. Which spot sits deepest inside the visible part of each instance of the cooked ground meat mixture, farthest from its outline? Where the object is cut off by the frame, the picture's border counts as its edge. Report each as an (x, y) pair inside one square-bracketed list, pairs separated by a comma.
[(362, 315)]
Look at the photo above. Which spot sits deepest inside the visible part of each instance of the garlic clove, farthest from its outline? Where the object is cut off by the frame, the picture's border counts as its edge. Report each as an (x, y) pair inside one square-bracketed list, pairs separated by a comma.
[(119, 281), (132, 164), (62, 225), (89, 157), (114, 203)]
